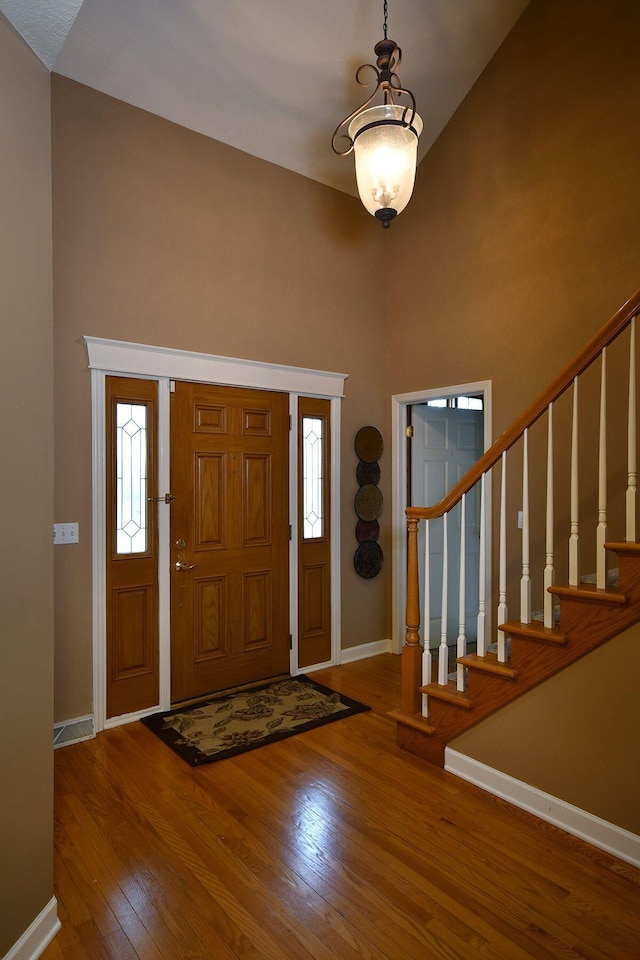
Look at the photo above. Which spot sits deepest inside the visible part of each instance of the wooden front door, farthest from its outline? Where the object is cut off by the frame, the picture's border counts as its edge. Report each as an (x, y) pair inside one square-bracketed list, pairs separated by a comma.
[(229, 538)]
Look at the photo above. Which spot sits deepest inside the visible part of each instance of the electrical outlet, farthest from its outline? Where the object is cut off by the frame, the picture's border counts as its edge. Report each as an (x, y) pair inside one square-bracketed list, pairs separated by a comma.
[(65, 533)]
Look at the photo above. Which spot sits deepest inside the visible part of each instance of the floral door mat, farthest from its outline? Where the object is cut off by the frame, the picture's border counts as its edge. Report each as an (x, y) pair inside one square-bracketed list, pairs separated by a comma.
[(225, 726)]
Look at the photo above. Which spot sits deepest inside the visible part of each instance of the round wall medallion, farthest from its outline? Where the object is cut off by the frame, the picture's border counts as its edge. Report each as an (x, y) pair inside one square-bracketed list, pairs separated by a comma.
[(368, 502), (368, 560), (367, 473), (367, 530), (369, 444)]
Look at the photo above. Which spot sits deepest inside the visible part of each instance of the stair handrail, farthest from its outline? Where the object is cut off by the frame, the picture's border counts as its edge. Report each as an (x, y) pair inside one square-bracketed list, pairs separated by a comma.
[(606, 335)]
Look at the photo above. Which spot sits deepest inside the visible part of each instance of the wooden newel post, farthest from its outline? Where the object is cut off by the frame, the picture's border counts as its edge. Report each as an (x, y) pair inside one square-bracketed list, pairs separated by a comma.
[(412, 650)]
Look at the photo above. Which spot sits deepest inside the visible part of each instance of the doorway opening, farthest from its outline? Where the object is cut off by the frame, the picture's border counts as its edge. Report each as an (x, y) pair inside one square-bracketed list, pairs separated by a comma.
[(107, 358), (437, 435)]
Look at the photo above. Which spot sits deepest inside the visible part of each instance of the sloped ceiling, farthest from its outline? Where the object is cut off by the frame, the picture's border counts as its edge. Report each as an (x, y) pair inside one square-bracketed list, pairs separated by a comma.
[(270, 78)]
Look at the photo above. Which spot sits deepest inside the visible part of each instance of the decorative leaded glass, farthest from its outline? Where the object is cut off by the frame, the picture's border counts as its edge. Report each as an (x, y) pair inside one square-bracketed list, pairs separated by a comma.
[(312, 478), (131, 478)]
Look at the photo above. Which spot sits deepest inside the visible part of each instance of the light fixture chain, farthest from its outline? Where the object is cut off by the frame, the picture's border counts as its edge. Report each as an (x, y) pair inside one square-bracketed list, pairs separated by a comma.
[(386, 11)]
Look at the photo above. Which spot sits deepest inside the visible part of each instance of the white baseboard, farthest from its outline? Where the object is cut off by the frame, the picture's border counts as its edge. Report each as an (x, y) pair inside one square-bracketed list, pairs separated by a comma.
[(38, 935), (607, 836), (364, 650)]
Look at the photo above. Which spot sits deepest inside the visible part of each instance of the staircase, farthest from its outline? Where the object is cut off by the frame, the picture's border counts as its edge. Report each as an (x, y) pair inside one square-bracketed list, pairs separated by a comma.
[(577, 617)]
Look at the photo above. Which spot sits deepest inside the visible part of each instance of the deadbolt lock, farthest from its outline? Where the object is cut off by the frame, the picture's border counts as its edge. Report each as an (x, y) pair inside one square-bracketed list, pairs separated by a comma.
[(181, 544)]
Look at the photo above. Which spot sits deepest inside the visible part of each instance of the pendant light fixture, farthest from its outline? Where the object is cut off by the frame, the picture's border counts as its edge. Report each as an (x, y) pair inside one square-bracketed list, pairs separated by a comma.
[(384, 138)]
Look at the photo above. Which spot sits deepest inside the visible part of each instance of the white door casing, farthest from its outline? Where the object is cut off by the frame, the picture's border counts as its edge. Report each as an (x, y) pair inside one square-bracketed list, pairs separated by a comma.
[(165, 365), (399, 404)]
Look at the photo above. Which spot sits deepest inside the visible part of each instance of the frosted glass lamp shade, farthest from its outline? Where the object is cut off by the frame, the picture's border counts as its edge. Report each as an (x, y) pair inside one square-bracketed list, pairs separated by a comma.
[(386, 156)]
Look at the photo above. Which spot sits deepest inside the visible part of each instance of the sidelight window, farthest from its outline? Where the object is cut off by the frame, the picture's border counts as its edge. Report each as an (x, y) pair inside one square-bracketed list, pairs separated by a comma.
[(131, 478), (312, 477)]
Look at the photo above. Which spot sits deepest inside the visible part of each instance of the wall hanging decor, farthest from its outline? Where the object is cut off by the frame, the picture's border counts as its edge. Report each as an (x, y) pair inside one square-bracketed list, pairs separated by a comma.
[(368, 502), (369, 444), (367, 472)]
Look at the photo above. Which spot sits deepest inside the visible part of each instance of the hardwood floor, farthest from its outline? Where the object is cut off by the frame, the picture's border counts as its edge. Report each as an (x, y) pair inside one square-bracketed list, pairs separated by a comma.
[(332, 844)]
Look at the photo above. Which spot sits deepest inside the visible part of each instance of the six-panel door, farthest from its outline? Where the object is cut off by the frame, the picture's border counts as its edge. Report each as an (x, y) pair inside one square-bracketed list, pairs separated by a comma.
[(229, 538)]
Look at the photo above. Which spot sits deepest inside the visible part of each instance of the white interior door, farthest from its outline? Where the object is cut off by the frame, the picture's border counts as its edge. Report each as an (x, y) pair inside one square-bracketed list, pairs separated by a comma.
[(446, 442)]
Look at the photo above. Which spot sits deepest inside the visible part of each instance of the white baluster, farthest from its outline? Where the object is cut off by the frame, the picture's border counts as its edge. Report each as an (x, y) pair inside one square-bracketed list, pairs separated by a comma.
[(631, 446), (525, 582), (548, 570), (462, 636), (502, 586), (481, 647), (601, 533), (443, 652), (574, 538), (426, 652)]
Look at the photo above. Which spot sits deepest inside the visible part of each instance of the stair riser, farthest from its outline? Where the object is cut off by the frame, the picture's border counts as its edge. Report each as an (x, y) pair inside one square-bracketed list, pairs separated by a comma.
[(591, 621), (629, 574), (429, 748), (537, 662)]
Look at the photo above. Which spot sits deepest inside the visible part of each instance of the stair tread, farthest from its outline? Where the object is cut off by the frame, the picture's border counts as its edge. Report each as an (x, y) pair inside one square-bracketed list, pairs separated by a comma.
[(489, 663), (535, 630), (631, 547), (449, 693), (415, 720), (591, 593)]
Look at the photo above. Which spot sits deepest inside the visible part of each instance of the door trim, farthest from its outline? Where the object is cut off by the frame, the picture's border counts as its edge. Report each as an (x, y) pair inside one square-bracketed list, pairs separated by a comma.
[(399, 404), (143, 360), (164, 364)]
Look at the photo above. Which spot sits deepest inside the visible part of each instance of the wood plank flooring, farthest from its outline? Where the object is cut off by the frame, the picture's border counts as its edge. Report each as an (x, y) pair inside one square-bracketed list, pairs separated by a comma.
[(332, 844)]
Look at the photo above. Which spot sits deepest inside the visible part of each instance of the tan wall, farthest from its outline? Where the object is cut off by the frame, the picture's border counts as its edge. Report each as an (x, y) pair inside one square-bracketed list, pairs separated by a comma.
[(559, 738), (163, 236), (522, 239), (26, 489)]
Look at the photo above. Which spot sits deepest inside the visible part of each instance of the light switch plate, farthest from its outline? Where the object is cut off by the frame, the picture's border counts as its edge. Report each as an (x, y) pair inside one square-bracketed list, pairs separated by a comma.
[(65, 533)]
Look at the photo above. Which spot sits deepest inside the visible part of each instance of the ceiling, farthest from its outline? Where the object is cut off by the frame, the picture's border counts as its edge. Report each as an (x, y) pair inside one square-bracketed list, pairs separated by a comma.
[(270, 78)]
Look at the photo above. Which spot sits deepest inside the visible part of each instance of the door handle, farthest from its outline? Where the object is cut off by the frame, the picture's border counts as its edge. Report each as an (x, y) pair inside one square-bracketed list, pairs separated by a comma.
[(181, 566)]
